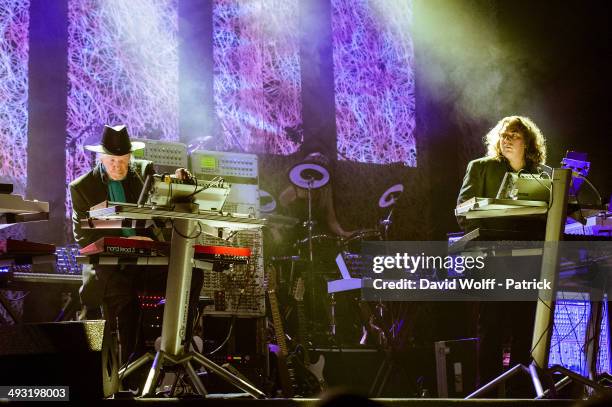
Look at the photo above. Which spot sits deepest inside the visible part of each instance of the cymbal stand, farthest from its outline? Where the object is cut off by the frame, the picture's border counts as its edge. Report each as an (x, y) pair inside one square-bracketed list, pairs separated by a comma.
[(389, 364), (386, 223), (380, 308), (309, 224)]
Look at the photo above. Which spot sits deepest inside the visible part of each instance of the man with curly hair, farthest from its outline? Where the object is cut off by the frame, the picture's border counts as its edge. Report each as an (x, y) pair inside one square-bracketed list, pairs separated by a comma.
[(514, 144)]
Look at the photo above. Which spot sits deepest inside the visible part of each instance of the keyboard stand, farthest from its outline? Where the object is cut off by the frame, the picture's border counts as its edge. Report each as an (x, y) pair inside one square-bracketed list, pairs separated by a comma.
[(174, 325), (540, 347)]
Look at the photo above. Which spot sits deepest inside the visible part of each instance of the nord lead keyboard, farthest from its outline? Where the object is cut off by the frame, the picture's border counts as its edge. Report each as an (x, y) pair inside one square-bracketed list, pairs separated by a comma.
[(122, 246)]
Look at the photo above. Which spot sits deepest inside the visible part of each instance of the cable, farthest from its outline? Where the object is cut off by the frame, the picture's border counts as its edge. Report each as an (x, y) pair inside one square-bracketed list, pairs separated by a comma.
[(212, 183), (187, 237), (195, 188), (19, 298), (545, 332), (593, 188), (572, 330), (136, 340), (235, 314)]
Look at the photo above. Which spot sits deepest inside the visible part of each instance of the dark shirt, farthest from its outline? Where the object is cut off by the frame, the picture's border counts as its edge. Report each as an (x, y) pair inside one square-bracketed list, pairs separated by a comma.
[(298, 209), (92, 188)]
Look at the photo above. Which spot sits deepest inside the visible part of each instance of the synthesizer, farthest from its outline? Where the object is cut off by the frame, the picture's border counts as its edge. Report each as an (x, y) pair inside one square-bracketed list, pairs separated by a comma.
[(12, 247), (121, 246), (227, 254)]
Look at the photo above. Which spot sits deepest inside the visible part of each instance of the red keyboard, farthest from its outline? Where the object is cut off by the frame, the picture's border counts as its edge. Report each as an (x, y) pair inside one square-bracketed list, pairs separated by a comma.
[(24, 247), (122, 246), (222, 253)]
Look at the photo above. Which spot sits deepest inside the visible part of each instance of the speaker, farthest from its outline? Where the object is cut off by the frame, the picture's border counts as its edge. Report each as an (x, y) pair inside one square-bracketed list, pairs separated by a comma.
[(79, 355)]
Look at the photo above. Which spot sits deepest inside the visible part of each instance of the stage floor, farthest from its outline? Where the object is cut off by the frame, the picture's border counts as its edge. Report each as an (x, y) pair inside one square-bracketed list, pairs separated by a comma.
[(221, 401)]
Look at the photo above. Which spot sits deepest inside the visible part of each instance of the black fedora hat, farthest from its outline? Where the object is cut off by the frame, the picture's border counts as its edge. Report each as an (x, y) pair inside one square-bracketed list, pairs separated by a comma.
[(116, 141)]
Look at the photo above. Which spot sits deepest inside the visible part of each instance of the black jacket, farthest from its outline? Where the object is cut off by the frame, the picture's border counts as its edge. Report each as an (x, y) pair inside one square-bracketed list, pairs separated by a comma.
[(92, 188), (482, 179)]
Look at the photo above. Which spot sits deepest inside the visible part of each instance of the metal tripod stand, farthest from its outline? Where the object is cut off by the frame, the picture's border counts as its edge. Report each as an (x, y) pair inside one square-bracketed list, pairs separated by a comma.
[(545, 307), (175, 321)]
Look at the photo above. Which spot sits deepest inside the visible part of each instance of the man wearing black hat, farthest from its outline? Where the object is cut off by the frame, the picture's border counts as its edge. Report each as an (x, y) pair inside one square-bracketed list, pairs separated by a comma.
[(117, 177)]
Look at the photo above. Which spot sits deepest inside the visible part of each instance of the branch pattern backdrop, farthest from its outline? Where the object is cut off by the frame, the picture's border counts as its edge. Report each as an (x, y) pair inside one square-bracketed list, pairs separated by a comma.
[(122, 68), (14, 47)]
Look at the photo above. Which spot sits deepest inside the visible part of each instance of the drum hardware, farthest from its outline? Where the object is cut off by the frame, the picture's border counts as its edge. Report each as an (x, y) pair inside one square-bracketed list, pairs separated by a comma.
[(267, 203), (332, 314), (389, 199), (377, 323), (353, 243), (310, 175)]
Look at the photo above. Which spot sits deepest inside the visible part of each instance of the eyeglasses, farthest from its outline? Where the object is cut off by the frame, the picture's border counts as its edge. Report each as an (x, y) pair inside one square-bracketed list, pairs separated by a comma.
[(510, 136)]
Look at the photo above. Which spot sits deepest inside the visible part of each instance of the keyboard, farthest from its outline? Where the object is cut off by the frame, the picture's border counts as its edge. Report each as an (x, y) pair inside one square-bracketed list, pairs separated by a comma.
[(229, 254), (11, 247), (122, 246)]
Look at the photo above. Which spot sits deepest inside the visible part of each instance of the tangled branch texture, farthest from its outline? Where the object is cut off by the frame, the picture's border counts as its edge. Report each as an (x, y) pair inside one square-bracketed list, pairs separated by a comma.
[(257, 82), (122, 68), (14, 48), (374, 81)]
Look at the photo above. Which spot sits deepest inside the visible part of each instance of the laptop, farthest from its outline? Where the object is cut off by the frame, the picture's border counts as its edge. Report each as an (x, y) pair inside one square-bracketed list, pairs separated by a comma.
[(525, 187)]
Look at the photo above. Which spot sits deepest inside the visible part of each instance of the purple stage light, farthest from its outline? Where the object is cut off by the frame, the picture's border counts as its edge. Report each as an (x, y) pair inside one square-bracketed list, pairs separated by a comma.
[(374, 81), (14, 48), (257, 81)]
